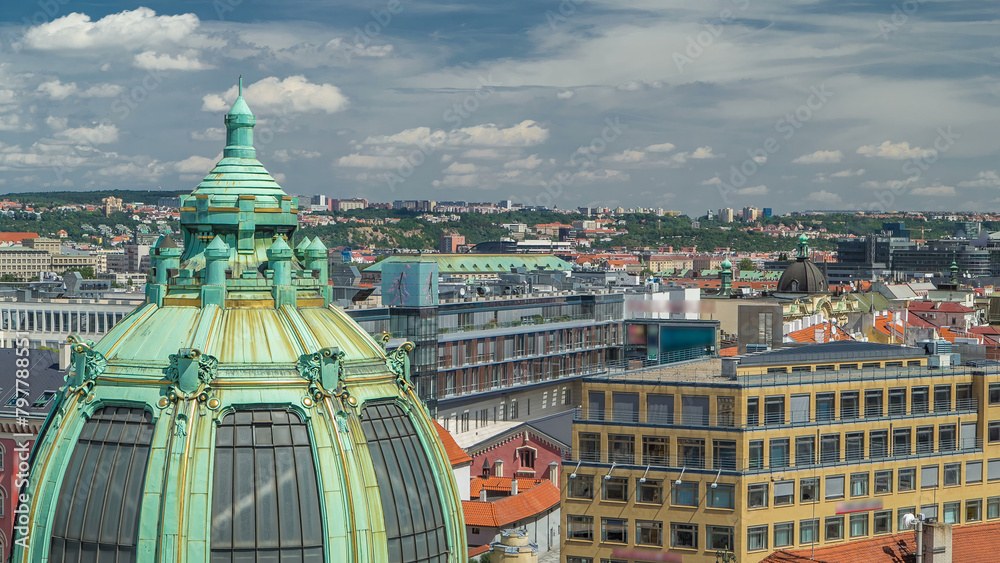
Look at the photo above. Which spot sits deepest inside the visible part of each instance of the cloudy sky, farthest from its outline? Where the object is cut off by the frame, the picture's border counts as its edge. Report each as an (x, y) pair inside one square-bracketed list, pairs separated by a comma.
[(687, 104)]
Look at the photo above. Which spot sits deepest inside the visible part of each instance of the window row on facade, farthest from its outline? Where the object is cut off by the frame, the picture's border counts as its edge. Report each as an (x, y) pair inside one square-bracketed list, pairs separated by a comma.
[(781, 453), (507, 374), (686, 535), (778, 409), (509, 347)]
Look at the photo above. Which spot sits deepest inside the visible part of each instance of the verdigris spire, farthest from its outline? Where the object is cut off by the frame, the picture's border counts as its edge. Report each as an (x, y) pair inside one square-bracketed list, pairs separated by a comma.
[(240, 122)]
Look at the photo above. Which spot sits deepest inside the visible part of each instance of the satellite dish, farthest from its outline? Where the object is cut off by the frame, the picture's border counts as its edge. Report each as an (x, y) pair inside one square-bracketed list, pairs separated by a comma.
[(909, 520)]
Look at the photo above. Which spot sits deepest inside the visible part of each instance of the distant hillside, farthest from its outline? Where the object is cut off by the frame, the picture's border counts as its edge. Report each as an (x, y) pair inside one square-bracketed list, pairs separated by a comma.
[(93, 198)]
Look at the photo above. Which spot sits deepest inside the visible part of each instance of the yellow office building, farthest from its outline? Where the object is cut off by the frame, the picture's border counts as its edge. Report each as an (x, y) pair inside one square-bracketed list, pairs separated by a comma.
[(730, 459)]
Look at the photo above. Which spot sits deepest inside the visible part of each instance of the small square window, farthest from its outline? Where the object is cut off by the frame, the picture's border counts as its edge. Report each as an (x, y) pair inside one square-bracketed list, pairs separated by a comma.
[(952, 474), (834, 528), (757, 495), (882, 522)]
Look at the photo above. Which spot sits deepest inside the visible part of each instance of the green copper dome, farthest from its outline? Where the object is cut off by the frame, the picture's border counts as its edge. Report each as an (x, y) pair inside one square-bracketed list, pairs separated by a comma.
[(237, 415)]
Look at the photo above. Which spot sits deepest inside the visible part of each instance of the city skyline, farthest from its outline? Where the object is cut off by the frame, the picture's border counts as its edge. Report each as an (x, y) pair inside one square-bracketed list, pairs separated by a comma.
[(814, 105)]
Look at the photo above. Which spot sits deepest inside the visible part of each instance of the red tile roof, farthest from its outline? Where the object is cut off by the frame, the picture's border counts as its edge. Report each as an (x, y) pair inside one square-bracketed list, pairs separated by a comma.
[(456, 454), (478, 550), (938, 307), (502, 484), (978, 543), (831, 333), (508, 510), (16, 237)]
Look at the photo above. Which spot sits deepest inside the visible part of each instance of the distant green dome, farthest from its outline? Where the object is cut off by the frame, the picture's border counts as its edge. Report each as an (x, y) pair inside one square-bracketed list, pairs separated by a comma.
[(237, 415), (726, 264)]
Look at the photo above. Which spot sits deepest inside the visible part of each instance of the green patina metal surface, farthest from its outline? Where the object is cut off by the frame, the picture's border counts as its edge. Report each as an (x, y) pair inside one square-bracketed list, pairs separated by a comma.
[(480, 263), (239, 320)]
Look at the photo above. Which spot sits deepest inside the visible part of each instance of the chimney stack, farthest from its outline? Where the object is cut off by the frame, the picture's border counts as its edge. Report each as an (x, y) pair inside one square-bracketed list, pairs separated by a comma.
[(937, 542), (554, 472), (482, 494), (513, 487)]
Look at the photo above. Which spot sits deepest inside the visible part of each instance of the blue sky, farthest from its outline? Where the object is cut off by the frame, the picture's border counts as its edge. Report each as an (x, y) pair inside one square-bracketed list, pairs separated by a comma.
[(689, 104)]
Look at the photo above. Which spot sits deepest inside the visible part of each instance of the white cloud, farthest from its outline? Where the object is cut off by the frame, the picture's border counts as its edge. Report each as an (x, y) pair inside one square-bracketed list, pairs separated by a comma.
[(599, 175), (934, 191), (893, 151), (56, 123), (525, 134), (824, 197), (529, 163), (986, 179), (128, 29), (713, 181), (356, 160), (460, 168), (148, 60), (662, 147), (100, 134), (488, 154), (565, 94), (294, 94), (210, 134), (820, 157), (753, 190), (196, 165), (760, 159), (628, 155), (57, 90), (459, 181), (703, 153), (848, 173), (284, 155)]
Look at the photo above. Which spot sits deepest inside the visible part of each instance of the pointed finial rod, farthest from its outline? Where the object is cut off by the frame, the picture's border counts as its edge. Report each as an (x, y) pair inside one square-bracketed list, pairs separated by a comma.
[(241, 85)]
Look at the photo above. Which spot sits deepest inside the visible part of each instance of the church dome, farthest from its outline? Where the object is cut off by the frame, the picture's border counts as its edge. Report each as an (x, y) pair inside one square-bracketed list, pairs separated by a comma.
[(237, 415), (802, 276)]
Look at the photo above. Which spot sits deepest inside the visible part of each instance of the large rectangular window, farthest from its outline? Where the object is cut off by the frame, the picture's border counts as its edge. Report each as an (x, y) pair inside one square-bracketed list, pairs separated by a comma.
[(805, 450), (625, 407), (98, 505), (829, 448), (849, 405), (756, 538), (774, 410), (883, 481), (873, 403), (622, 448), (654, 450), (919, 402), (590, 446), (614, 530), (784, 534), (809, 531), (722, 496), (897, 401), (616, 488), (757, 495), (266, 496), (756, 459), (659, 409), (779, 453), (651, 491), (694, 410), (825, 408), (581, 486), (799, 406), (648, 532), (808, 489), (854, 443), (691, 452), (723, 454), (906, 479), (685, 494), (720, 538), (901, 442), (835, 486), (878, 444), (925, 439), (580, 527), (684, 535), (834, 528), (942, 398)]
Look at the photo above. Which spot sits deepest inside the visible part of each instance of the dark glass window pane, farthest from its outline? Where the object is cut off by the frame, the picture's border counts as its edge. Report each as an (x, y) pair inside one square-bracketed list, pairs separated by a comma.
[(414, 524), (264, 505), (98, 506)]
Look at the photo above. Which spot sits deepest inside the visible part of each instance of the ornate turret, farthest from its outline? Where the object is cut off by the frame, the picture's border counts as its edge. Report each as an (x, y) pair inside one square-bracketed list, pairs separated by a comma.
[(802, 276), (726, 279), (237, 415)]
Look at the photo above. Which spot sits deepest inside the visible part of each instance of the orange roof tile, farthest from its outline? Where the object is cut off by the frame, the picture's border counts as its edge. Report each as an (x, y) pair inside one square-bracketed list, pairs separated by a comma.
[(502, 484), (508, 510), (730, 351), (831, 333), (478, 550), (16, 237), (456, 454)]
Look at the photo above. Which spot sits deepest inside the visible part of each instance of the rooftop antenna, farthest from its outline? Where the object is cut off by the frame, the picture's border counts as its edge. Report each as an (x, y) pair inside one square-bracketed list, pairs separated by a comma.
[(241, 85)]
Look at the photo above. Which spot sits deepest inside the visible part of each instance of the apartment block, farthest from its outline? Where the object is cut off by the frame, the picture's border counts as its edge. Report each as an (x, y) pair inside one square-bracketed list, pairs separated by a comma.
[(809, 446)]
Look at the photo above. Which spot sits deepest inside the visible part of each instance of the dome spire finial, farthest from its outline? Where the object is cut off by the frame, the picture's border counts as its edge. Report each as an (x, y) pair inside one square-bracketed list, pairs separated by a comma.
[(241, 85)]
